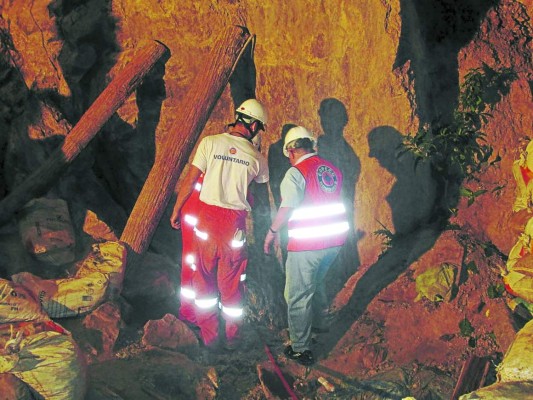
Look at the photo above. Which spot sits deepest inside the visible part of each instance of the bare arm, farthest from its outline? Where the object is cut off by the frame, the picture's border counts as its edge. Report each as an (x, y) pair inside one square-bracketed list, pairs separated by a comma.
[(185, 191)]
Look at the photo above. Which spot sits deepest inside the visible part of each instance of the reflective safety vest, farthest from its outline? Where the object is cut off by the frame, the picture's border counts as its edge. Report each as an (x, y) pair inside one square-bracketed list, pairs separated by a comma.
[(320, 221)]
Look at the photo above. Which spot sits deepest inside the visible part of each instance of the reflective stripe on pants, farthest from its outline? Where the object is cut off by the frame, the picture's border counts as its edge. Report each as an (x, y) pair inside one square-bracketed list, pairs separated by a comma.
[(219, 270)]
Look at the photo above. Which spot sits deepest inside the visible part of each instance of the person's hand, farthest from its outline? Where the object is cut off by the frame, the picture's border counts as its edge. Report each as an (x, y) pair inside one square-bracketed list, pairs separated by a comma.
[(175, 219), (269, 240)]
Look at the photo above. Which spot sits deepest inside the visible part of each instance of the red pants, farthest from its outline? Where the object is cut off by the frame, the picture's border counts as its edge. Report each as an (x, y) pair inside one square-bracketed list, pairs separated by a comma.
[(189, 213), (218, 281), (187, 295)]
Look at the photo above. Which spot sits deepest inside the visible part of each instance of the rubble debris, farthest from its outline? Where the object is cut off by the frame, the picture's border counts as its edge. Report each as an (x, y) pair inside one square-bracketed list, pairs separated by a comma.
[(46, 231), (170, 333), (99, 277), (35, 349)]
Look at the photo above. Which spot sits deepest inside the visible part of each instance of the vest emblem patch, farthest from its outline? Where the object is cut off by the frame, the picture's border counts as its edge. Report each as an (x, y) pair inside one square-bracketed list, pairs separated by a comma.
[(327, 178)]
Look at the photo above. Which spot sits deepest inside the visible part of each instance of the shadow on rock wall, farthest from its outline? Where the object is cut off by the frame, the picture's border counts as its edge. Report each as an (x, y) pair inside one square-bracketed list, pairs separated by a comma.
[(108, 175), (278, 164), (432, 35), (413, 194), (89, 51), (121, 155), (433, 32), (333, 147), (411, 200)]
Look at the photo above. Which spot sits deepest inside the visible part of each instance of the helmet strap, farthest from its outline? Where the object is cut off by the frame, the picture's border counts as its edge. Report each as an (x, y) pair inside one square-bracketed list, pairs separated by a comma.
[(247, 122)]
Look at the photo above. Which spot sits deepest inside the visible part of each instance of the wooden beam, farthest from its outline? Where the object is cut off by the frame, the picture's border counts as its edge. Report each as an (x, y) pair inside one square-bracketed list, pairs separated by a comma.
[(472, 376), (113, 96), (176, 148)]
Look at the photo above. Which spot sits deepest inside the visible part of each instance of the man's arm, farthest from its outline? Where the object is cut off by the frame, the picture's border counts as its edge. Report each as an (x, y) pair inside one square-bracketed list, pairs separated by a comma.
[(185, 191), (258, 195), (281, 218), (292, 191)]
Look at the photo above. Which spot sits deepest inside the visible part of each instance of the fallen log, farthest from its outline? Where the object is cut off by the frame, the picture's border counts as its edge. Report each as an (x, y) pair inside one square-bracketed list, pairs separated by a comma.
[(176, 148), (473, 375), (113, 96)]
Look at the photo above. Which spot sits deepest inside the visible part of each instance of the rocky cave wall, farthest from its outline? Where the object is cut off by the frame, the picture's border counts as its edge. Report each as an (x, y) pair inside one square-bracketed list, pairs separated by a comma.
[(362, 76), (387, 63)]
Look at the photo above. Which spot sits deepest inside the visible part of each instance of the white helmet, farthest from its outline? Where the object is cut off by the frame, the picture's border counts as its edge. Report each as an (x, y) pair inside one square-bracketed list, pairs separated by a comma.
[(254, 109), (298, 132)]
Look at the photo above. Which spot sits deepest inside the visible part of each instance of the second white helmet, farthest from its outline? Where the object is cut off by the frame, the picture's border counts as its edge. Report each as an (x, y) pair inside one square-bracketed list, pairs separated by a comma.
[(298, 132)]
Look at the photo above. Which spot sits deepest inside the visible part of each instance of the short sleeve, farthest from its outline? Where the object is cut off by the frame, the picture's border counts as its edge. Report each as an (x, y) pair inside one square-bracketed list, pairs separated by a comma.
[(263, 175), (292, 188), (200, 158)]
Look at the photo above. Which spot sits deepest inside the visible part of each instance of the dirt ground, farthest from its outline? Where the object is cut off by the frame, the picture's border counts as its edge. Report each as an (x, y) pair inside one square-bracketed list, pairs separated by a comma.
[(389, 346), (385, 341)]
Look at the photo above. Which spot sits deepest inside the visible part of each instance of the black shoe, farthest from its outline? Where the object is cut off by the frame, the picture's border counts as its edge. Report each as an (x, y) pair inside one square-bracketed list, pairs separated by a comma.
[(304, 357)]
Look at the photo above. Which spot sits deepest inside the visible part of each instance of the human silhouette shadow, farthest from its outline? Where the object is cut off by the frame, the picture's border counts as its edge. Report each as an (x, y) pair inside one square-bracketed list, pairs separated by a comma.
[(242, 85), (108, 177), (264, 282), (411, 200), (85, 60), (333, 147), (413, 195), (278, 164)]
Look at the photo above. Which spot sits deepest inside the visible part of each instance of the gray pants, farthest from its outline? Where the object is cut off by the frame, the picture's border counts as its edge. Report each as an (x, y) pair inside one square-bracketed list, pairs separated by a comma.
[(305, 293)]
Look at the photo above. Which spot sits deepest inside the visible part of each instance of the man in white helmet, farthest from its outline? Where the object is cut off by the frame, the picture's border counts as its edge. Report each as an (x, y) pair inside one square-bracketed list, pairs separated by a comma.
[(312, 208), (188, 220), (229, 163)]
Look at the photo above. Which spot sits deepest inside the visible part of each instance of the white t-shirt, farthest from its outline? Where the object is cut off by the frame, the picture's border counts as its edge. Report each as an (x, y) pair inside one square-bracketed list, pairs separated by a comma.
[(230, 164)]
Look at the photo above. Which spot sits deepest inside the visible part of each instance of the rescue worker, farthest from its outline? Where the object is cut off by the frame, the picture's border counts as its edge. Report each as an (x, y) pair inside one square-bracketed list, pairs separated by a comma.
[(188, 220), (229, 162), (313, 209)]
